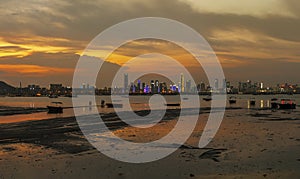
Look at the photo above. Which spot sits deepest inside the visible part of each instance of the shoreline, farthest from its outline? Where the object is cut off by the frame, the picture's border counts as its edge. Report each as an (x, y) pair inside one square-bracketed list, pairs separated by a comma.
[(248, 144)]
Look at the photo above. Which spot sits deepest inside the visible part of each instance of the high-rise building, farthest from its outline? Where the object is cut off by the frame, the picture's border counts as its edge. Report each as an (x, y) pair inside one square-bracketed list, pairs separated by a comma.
[(55, 87), (143, 87), (227, 84), (138, 86), (188, 86), (261, 85), (216, 85), (202, 87), (125, 82), (156, 88), (152, 86), (224, 84), (181, 83)]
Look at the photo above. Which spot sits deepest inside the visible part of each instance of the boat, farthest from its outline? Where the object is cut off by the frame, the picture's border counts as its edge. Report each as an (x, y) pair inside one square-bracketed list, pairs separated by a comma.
[(102, 103), (252, 101), (274, 99), (232, 100), (287, 104), (172, 104), (274, 105), (207, 98), (55, 109), (113, 105)]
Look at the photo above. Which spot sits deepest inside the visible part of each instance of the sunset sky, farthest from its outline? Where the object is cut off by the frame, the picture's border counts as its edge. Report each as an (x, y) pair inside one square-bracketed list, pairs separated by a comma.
[(41, 40)]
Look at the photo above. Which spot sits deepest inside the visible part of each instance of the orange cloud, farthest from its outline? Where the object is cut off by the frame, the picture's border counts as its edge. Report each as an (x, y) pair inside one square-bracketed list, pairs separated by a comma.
[(34, 70), (25, 46)]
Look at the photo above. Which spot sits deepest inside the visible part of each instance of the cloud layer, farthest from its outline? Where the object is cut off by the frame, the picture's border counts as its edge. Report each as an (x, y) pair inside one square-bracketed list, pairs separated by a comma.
[(248, 36)]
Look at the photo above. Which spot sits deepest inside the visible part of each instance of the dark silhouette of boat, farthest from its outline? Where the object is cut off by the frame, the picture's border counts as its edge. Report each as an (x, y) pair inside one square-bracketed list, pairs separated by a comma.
[(252, 101), (102, 103), (287, 104), (113, 105), (232, 100), (172, 104), (207, 98), (274, 99), (55, 109), (274, 105)]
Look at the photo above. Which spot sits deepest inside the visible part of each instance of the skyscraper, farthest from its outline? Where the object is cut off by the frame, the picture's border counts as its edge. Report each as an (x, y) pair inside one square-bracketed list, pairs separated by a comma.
[(152, 86), (125, 82), (216, 87), (181, 83), (138, 86), (156, 89), (188, 86)]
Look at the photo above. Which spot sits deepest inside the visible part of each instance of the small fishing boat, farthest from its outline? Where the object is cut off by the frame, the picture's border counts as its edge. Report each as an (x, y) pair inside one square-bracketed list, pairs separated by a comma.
[(207, 98), (287, 104), (55, 109), (274, 99), (113, 105), (232, 100), (172, 104), (102, 103), (252, 101)]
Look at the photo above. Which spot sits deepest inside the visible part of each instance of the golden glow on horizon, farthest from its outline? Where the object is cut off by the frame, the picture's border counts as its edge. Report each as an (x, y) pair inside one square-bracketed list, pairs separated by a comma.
[(32, 69), (25, 46)]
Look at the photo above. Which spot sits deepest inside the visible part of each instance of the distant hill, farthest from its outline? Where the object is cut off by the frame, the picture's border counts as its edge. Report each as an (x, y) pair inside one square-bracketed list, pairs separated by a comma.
[(6, 88)]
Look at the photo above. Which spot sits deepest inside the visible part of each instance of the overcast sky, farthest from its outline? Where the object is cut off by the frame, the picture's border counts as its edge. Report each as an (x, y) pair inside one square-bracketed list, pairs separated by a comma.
[(41, 40)]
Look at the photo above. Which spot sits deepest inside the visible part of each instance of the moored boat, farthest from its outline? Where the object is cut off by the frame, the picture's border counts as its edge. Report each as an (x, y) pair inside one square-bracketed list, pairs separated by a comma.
[(55, 109), (252, 101), (287, 104), (207, 98), (113, 105), (232, 100), (172, 104)]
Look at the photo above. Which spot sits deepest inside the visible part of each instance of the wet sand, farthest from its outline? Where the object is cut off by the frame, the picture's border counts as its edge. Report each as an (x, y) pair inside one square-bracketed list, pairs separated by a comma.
[(249, 143), (7, 111)]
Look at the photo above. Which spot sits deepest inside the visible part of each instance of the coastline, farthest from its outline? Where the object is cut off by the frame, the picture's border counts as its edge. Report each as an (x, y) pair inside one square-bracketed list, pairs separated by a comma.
[(56, 148)]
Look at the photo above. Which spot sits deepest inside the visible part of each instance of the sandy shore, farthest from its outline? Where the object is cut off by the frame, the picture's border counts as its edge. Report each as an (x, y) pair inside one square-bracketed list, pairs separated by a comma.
[(249, 143)]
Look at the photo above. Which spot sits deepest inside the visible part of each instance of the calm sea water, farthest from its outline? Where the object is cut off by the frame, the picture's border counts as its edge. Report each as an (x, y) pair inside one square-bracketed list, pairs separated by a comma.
[(137, 103)]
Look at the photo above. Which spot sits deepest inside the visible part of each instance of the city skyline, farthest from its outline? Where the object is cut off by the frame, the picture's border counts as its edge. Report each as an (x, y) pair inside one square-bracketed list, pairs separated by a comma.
[(153, 86), (260, 42)]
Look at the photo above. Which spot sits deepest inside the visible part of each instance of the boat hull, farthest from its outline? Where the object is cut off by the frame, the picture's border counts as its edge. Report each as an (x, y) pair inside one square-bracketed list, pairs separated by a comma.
[(287, 106), (112, 105), (54, 109), (173, 104), (232, 101)]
